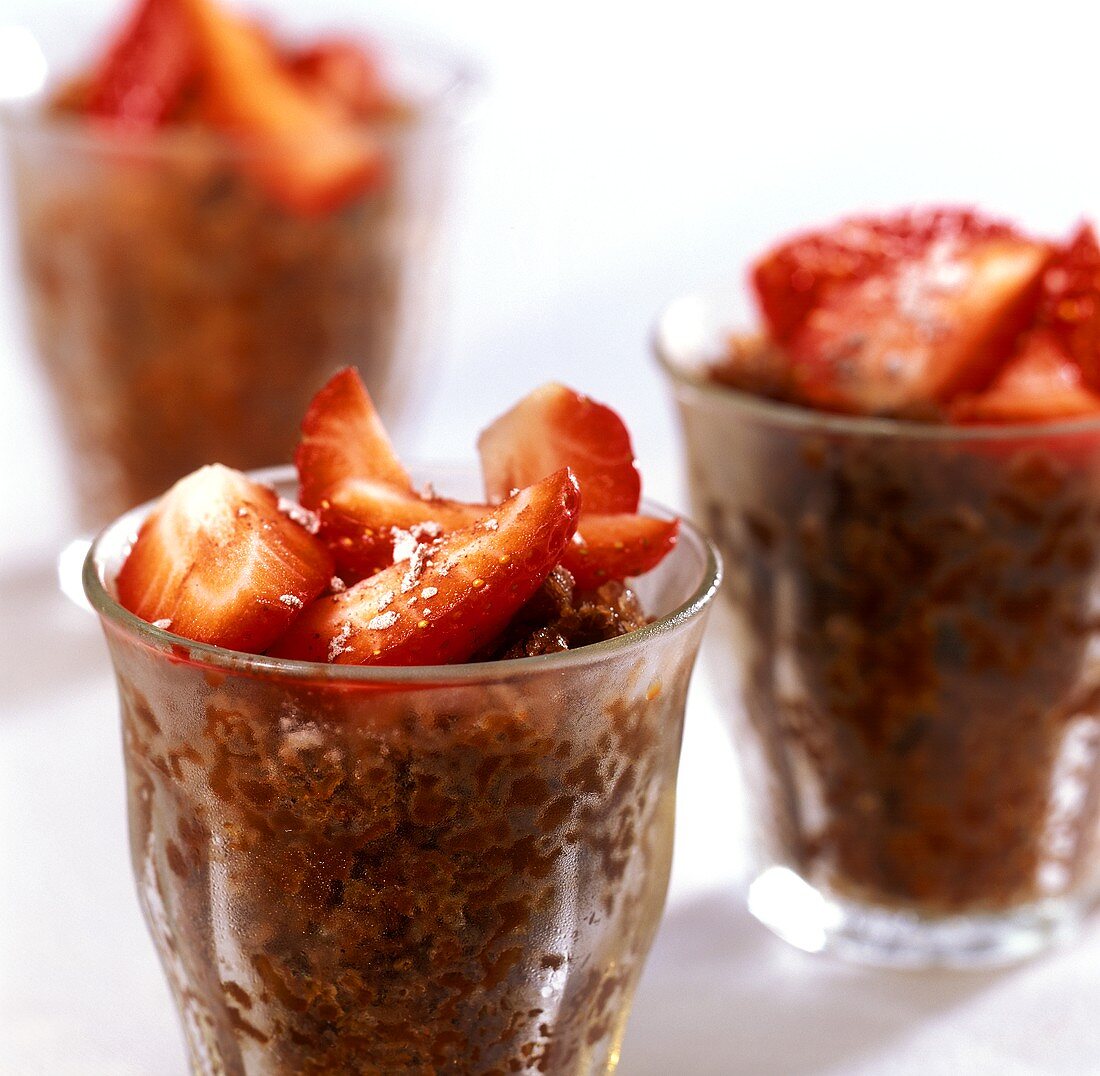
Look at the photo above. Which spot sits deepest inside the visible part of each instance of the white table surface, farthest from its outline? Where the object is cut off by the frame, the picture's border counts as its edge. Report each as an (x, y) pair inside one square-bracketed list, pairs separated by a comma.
[(618, 157)]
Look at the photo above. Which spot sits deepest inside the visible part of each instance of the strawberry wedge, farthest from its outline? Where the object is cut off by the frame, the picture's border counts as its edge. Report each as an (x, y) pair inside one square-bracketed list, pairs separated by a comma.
[(618, 547), (362, 519), (556, 427), (343, 438), (796, 276), (905, 340), (143, 77), (217, 561), (299, 146), (1041, 383), (447, 598), (1069, 306)]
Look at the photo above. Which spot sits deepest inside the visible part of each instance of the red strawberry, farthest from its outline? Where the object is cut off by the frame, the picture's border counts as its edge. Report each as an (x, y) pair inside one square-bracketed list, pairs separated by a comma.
[(618, 547), (795, 277), (345, 74), (217, 561), (342, 438), (142, 79), (359, 518), (1070, 302), (1041, 383), (556, 427), (911, 336), (302, 149), (451, 597)]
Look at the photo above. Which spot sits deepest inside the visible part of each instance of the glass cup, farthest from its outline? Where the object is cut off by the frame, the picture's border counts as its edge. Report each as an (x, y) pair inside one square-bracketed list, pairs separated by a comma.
[(909, 643), (417, 870), (182, 315)]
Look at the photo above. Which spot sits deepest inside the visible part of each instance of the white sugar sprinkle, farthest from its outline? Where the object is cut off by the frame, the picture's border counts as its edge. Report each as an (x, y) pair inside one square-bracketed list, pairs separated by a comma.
[(302, 516), (429, 592), (292, 601), (383, 621), (336, 647), (490, 524), (336, 584)]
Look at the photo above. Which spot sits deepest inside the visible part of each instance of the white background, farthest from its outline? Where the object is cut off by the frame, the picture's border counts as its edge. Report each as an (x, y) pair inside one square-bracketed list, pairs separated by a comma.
[(619, 154)]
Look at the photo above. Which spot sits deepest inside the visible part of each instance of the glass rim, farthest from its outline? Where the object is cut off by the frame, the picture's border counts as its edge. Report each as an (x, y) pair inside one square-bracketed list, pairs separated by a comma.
[(459, 78), (205, 654), (792, 416)]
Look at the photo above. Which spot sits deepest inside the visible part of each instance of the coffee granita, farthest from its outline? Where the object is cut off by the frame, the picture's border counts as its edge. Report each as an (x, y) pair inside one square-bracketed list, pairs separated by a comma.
[(416, 870), (903, 470), (212, 220)]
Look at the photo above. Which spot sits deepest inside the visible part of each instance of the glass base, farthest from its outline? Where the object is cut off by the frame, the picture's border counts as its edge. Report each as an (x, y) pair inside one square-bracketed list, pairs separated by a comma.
[(872, 935)]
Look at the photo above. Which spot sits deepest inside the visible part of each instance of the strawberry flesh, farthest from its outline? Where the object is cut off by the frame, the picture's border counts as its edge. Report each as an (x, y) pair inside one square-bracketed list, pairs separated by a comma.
[(361, 519), (556, 427), (618, 547), (906, 339), (301, 148), (346, 75), (1069, 306), (219, 562), (795, 277), (146, 72), (1041, 383), (343, 438), (449, 598)]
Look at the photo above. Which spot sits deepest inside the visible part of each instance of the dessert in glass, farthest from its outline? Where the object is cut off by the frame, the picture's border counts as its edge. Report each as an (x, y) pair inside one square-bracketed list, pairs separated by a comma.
[(902, 469), (212, 220), (402, 769)]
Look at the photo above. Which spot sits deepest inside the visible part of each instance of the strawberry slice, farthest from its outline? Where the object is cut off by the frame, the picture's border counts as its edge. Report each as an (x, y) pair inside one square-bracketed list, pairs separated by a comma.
[(906, 339), (1070, 303), (217, 561), (361, 520), (145, 73), (556, 427), (342, 438), (301, 148), (346, 75), (618, 547), (1041, 383), (449, 598), (796, 276)]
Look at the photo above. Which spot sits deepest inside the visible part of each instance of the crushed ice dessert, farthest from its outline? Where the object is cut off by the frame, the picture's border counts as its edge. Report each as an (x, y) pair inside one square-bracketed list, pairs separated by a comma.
[(902, 467), (444, 845), (212, 218)]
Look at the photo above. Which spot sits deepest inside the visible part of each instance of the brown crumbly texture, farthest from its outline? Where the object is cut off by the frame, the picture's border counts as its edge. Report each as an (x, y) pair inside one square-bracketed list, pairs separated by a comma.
[(755, 365), (183, 316), (916, 619), (561, 618), (454, 880)]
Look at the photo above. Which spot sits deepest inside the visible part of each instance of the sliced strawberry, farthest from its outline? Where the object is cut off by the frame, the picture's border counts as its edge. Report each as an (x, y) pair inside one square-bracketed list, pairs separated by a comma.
[(343, 437), (795, 277), (618, 547), (909, 337), (142, 79), (1040, 383), (217, 561), (345, 74), (1070, 303), (556, 427), (301, 148), (451, 597), (361, 519)]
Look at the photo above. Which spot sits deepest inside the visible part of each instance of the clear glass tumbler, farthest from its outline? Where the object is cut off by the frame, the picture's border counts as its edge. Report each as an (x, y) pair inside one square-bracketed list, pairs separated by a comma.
[(182, 315), (444, 869), (910, 643)]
